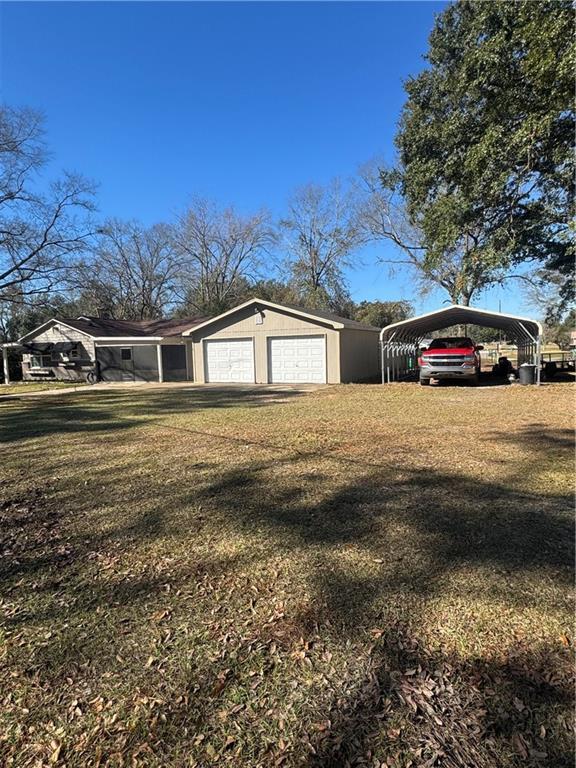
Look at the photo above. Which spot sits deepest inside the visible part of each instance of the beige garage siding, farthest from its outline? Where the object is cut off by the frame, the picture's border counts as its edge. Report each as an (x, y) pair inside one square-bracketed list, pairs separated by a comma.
[(359, 355), (274, 323)]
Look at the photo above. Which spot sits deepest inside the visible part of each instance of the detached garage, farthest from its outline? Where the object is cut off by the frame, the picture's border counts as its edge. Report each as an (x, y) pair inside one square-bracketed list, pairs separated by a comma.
[(267, 343)]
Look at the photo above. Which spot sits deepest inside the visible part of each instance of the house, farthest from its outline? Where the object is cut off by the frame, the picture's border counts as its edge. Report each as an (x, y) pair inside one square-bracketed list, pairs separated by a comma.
[(121, 350), (257, 342)]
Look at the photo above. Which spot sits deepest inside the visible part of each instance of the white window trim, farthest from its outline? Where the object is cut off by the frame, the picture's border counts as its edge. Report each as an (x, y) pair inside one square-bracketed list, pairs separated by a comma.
[(42, 357)]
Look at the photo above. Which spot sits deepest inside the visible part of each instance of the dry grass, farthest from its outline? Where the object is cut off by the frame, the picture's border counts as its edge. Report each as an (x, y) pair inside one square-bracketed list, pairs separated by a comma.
[(23, 387), (357, 576)]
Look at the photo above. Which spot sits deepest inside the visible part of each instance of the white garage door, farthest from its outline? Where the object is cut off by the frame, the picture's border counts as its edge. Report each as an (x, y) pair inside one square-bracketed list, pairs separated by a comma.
[(229, 360), (297, 359)]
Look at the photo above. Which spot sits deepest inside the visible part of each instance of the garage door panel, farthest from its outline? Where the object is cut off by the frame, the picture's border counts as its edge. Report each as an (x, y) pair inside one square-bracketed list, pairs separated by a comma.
[(229, 360), (297, 359)]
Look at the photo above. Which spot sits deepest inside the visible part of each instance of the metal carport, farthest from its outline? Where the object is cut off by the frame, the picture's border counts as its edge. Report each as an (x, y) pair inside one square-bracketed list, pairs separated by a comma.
[(400, 342)]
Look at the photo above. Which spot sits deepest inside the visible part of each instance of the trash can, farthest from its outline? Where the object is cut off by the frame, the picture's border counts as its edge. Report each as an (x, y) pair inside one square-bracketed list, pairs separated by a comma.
[(527, 373)]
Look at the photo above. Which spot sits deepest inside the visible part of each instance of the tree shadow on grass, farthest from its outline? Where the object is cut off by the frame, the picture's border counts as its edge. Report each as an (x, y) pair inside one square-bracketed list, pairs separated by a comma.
[(106, 412), (416, 532), (536, 437), (99, 612), (420, 707), (459, 519), (420, 531)]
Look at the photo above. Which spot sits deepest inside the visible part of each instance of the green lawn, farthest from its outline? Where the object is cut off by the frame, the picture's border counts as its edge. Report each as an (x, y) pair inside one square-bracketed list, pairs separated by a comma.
[(353, 576), (20, 387)]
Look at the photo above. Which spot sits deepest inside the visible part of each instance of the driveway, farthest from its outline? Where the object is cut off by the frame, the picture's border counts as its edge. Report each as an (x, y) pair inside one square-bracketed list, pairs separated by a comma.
[(148, 386)]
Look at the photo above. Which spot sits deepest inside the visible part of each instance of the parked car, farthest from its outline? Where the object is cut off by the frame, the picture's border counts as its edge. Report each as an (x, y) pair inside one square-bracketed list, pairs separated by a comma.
[(452, 357)]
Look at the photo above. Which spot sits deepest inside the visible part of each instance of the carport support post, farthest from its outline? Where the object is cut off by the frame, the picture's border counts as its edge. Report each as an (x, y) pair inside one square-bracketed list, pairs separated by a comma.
[(5, 365), (537, 355), (538, 359), (160, 369)]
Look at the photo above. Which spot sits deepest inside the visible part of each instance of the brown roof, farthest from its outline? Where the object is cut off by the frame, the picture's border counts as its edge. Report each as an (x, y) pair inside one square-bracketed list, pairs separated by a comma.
[(97, 326), (108, 328), (324, 314)]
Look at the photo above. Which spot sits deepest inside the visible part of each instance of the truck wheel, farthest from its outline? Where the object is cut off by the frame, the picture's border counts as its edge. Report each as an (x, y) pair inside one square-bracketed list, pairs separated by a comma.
[(473, 381), (424, 382)]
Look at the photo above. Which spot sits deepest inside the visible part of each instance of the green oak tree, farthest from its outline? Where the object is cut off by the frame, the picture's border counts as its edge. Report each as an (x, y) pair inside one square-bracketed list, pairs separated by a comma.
[(485, 140), (382, 313)]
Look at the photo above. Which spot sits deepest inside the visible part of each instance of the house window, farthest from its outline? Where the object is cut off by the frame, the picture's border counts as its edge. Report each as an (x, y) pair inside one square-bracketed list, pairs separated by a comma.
[(73, 354), (126, 354), (40, 361), (56, 358)]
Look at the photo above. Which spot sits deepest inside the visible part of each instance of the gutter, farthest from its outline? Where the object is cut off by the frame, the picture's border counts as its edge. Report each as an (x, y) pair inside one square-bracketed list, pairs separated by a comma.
[(128, 338)]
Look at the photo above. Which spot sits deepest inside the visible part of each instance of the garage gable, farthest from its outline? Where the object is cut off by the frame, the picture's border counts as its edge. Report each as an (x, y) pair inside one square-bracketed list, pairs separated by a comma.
[(258, 317)]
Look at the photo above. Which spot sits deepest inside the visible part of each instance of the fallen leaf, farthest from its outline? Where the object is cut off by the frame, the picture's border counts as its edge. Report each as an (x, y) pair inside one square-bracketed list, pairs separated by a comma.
[(518, 703), (56, 749)]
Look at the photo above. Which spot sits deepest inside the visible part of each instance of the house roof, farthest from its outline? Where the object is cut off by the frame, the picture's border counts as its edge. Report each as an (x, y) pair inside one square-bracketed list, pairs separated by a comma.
[(312, 314), (104, 328), (96, 326), (346, 322), (99, 328)]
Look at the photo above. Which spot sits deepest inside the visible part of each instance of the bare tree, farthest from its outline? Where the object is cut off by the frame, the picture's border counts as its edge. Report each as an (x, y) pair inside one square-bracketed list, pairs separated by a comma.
[(39, 233), (220, 251), (544, 293), (321, 236), (132, 273), (383, 217)]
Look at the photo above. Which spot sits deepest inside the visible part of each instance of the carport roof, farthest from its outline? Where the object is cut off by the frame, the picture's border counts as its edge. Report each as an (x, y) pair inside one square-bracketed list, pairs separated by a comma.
[(518, 328)]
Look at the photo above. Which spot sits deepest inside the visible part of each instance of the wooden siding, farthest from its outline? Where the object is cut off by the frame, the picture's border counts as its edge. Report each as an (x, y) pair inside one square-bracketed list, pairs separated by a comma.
[(75, 370)]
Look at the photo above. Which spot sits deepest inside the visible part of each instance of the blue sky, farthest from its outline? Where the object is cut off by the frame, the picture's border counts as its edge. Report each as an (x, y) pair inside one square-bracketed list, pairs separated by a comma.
[(239, 102)]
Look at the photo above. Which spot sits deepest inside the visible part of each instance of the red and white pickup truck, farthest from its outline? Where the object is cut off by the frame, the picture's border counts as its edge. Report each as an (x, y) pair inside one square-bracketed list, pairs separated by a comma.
[(452, 357)]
